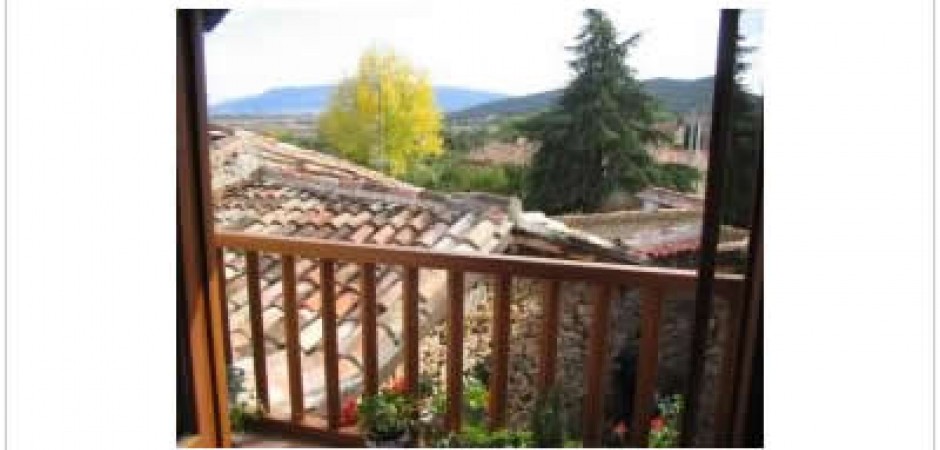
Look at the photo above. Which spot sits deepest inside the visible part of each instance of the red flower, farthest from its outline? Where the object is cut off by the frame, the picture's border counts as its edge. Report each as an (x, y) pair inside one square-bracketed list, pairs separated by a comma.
[(398, 385), (621, 429), (657, 424), (349, 414)]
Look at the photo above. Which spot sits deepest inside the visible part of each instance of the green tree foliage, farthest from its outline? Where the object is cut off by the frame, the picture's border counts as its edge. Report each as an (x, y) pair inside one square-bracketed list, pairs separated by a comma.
[(592, 141), (450, 174), (678, 177), (741, 158)]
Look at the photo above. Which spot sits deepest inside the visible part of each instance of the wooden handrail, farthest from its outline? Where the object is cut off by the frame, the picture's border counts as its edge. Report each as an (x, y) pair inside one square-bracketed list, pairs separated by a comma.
[(518, 266)]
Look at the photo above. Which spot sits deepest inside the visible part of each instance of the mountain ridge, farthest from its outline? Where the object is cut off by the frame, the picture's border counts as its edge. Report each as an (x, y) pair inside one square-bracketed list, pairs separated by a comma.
[(311, 99), (678, 96)]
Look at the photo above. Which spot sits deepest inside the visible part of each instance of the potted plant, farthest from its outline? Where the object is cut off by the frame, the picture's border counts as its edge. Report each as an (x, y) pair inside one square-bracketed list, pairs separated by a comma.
[(385, 419)]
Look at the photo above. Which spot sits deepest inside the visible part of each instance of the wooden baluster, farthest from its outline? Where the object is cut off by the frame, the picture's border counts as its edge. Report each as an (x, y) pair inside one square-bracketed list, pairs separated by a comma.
[(644, 396), (257, 329), (410, 328), (292, 338), (223, 301), (330, 351), (548, 339), (499, 378), (597, 360), (455, 289), (369, 341)]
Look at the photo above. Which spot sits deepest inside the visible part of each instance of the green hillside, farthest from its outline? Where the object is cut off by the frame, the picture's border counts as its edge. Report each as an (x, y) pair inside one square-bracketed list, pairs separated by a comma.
[(676, 96)]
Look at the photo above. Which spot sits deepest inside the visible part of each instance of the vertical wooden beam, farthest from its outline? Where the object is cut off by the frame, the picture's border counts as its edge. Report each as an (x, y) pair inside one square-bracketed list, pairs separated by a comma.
[(194, 222), (220, 368), (292, 338), (724, 397), (257, 329), (370, 348), (596, 376), (499, 378), (753, 303), (644, 394), (330, 346), (410, 328), (548, 338), (455, 290), (720, 139)]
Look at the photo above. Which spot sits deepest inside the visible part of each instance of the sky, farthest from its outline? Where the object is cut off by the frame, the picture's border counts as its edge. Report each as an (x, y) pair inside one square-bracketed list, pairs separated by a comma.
[(512, 48)]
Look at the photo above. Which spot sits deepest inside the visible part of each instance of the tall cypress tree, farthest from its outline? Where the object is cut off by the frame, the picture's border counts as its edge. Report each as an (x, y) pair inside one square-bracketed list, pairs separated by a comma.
[(741, 156), (592, 141)]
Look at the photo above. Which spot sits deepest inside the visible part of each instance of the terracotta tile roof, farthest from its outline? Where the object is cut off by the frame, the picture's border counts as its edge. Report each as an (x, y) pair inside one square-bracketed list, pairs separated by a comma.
[(697, 159), (514, 153), (651, 235), (293, 192), (670, 198)]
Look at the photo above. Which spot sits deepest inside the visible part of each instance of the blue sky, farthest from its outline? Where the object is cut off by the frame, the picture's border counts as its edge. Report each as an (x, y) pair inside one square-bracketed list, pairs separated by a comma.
[(512, 48)]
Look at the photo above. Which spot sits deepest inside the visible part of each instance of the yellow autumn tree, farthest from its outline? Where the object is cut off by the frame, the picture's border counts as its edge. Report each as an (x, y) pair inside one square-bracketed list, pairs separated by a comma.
[(385, 116)]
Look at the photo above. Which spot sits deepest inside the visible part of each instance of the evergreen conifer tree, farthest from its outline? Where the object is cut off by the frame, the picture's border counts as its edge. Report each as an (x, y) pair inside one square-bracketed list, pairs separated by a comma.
[(741, 156), (592, 142)]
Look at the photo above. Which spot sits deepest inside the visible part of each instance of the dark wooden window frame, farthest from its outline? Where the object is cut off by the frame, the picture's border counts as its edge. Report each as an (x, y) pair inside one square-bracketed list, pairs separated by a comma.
[(203, 315)]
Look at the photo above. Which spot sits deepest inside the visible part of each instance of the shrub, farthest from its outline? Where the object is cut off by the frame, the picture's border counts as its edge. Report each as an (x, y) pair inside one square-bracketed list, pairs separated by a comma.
[(548, 420), (477, 436), (386, 415), (676, 176)]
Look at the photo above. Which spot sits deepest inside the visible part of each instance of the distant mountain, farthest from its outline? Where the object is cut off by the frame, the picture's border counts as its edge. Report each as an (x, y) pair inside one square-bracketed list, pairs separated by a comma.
[(676, 96), (313, 99), (682, 96)]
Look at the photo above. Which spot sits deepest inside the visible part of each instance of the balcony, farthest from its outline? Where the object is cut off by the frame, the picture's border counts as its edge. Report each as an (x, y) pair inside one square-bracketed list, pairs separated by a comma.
[(319, 415)]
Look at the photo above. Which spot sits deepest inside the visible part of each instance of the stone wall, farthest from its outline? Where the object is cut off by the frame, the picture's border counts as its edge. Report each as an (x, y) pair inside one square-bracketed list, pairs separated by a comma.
[(526, 314)]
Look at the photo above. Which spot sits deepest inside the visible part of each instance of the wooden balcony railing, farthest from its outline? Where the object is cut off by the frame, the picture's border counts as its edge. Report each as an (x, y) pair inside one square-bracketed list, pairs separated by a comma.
[(653, 284)]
